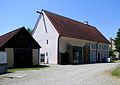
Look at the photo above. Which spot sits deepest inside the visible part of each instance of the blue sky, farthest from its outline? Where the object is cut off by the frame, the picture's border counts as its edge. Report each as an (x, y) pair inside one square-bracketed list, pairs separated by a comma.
[(103, 14)]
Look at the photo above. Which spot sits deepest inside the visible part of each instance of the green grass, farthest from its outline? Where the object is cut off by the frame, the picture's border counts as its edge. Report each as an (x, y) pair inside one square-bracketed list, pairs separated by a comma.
[(115, 61), (11, 70), (116, 72)]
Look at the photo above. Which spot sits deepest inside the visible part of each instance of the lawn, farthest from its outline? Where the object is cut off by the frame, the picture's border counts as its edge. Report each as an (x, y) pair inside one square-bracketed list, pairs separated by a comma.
[(115, 61), (116, 72), (11, 70)]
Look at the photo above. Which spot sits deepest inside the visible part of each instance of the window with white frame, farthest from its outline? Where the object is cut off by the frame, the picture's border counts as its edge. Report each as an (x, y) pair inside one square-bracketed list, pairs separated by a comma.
[(42, 57), (107, 47), (99, 46), (93, 57), (92, 45)]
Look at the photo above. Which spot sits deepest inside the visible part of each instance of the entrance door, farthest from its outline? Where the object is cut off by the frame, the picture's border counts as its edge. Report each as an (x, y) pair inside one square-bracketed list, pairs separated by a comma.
[(86, 54), (65, 58), (22, 57), (77, 55), (98, 57)]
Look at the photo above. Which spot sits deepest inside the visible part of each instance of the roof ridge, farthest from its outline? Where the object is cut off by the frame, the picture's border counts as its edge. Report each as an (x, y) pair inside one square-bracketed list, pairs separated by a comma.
[(69, 18), (11, 31), (75, 29), (9, 35)]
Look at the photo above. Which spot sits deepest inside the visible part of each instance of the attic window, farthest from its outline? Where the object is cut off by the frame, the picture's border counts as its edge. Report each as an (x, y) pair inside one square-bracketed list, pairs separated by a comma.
[(47, 41)]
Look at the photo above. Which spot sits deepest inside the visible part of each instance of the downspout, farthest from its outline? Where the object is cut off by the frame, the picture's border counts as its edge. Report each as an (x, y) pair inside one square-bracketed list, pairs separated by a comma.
[(39, 56), (58, 60), (97, 51)]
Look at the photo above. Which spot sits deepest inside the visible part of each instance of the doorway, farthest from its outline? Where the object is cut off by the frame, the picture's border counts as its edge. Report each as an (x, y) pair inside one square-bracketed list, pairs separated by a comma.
[(65, 58), (77, 55), (22, 57), (86, 54), (98, 57)]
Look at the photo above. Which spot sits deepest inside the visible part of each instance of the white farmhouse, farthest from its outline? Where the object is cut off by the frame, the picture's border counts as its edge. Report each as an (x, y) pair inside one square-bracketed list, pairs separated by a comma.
[(66, 41)]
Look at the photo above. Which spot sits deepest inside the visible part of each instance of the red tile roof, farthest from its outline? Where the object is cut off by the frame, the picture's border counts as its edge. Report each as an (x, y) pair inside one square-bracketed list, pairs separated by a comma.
[(6, 37), (74, 29)]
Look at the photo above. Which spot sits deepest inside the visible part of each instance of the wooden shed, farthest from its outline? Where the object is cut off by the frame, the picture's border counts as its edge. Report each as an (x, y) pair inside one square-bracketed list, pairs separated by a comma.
[(21, 48)]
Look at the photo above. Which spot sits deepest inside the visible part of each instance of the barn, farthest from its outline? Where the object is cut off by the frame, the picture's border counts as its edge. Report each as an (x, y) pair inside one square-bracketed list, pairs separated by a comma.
[(67, 41), (21, 48)]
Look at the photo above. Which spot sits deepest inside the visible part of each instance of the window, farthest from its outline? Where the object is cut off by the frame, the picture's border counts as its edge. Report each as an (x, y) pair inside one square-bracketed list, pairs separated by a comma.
[(99, 46), (92, 46), (46, 53), (42, 57), (102, 47), (47, 41), (106, 47), (88, 44), (93, 57), (95, 46), (76, 57)]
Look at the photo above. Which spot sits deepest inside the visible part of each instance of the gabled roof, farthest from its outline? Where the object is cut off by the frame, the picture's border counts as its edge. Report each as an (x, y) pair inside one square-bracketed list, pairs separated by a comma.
[(8, 36), (74, 29)]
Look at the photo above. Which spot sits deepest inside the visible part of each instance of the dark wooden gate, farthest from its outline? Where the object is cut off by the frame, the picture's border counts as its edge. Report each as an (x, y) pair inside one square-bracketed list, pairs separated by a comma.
[(77, 55), (86, 54), (22, 57), (65, 58)]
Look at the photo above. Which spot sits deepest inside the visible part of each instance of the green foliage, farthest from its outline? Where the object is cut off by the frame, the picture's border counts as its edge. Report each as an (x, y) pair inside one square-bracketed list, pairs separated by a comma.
[(29, 30), (117, 41), (11, 70), (116, 72), (115, 61), (111, 52)]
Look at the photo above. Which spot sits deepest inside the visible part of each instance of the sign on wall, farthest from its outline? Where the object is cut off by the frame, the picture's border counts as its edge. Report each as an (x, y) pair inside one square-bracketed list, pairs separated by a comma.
[(3, 57)]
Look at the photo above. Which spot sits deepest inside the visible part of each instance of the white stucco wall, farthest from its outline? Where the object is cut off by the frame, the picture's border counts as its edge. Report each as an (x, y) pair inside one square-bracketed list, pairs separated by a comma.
[(52, 36), (65, 41), (41, 37)]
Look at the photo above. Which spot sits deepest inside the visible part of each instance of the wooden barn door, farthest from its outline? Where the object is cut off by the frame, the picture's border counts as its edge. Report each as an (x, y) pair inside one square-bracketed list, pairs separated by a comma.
[(65, 58), (22, 57), (86, 54)]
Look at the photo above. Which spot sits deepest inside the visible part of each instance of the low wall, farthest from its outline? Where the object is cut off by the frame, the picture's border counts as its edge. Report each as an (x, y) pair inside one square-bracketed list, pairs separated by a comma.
[(3, 68), (3, 62)]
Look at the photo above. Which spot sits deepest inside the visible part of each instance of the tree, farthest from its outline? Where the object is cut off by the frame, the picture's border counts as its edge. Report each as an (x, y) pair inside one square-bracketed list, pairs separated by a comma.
[(117, 41), (111, 52), (29, 30)]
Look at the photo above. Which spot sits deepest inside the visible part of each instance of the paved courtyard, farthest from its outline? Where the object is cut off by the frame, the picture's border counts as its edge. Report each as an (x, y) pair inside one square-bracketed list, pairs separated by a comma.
[(88, 74)]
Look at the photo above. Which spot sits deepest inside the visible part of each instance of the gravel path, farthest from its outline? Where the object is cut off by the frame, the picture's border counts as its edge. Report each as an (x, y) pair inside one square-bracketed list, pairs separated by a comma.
[(89, 74)]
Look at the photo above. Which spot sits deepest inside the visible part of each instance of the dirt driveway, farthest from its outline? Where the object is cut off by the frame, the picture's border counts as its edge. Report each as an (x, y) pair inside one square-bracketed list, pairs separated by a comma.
[(89, 74)]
